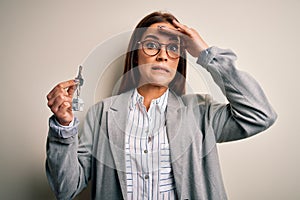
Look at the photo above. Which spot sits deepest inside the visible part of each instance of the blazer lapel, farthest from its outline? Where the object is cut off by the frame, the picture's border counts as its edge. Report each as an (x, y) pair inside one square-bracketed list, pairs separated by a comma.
[(179, 135), (117, 119), (174, 122)]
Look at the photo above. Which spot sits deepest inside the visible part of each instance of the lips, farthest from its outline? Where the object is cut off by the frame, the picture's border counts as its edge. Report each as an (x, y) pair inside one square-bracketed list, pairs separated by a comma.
[(160, 68)]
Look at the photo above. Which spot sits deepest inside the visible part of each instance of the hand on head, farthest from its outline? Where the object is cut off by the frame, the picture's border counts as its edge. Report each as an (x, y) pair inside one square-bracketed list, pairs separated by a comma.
[(192, 40)]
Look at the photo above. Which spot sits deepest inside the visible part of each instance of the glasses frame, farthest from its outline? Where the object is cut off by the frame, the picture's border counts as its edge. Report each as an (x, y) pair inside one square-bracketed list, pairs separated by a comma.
[(160, 47)]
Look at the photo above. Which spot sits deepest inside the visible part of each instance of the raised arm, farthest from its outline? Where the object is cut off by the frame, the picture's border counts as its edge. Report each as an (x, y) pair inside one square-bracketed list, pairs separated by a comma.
[(68, 161), (248, 111)]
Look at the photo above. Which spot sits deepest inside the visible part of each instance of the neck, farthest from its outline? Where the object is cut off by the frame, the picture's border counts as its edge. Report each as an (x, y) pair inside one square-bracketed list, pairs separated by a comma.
[(150, 92)]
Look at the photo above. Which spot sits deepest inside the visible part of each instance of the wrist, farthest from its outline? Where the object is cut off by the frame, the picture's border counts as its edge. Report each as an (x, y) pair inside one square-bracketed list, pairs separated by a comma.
[(59, 131), (64, 122)]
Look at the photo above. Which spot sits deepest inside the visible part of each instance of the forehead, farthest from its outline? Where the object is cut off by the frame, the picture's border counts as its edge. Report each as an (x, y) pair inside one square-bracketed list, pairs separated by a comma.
[(153, 31)]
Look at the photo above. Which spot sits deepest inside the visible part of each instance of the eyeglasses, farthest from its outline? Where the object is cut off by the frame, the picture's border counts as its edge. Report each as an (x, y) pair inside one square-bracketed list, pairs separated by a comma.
[(152, 48)]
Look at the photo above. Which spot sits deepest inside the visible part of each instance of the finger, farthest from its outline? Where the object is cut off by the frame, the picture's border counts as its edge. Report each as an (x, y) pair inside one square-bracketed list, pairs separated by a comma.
[(56, 92), (64, 114), (65, 107), (182, 28), (61, 86), (170, 31), (179, 25), (178, 32), (68, 83), (55, 103), (71, 90), (59, 93)]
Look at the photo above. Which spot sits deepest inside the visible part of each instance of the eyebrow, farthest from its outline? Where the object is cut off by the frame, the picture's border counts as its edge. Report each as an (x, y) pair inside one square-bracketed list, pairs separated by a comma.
[(174, 38)]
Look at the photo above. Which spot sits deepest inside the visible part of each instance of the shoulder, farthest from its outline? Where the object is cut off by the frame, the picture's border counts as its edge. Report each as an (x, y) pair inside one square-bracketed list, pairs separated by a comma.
[(189, 100), (196, 99)]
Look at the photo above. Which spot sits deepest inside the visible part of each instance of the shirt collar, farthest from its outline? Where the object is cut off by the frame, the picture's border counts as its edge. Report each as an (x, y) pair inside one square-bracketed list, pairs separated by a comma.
[(160, 102)]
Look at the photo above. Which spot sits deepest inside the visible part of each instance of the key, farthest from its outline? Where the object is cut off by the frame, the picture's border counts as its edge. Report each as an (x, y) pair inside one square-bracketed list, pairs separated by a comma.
[(79, 77), (77, 104)]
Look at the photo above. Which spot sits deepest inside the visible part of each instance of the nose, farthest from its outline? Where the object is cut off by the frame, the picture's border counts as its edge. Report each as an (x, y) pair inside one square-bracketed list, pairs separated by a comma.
[(162, 54)]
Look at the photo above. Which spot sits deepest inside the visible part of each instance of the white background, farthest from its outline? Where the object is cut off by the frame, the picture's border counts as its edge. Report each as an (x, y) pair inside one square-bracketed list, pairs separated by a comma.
[(42, 42)]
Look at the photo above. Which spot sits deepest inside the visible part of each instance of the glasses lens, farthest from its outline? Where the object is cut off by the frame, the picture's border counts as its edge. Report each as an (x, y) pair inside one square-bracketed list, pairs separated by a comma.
[(151, 47), (173, 50)]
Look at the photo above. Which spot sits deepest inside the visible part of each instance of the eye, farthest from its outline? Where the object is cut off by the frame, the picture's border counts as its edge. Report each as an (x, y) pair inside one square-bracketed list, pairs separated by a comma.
[(151, 45), (173, 47)]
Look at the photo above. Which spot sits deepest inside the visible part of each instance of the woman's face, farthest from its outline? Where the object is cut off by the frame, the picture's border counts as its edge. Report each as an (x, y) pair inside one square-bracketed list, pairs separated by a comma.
[(159, 69)]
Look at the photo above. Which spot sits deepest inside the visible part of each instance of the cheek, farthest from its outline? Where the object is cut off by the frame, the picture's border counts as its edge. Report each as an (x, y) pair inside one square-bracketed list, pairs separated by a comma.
[(142, 64), (174, 65), (142, 58)]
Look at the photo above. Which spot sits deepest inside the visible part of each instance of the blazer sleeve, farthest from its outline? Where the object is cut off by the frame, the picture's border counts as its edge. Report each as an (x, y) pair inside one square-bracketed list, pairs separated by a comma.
[(69, 155), (248, 111)]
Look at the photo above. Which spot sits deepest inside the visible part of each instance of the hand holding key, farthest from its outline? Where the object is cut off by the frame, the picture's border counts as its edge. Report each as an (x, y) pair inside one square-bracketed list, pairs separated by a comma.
[(60, 101)]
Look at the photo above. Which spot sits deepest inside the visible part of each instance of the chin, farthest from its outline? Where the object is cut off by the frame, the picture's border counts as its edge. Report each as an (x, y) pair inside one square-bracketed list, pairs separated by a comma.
[(160, 84), (157, 83), (160, 81)]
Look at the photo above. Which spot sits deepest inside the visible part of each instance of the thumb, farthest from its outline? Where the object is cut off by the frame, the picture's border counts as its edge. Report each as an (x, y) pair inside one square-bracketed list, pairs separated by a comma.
[(71, 90)]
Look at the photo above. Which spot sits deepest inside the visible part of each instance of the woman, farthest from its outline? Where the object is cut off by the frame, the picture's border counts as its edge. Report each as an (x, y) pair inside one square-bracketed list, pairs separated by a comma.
[(152, 141)]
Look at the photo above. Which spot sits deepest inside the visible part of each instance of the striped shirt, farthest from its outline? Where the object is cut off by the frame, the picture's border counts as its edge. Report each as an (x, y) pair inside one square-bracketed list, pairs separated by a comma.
[(148, 166)]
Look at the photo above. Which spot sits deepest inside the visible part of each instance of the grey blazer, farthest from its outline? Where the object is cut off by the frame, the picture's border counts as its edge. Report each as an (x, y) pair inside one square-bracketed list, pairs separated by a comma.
[(195, 123)]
